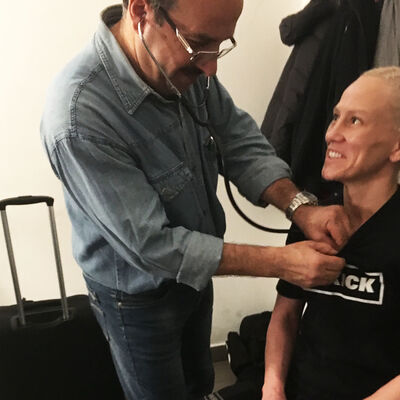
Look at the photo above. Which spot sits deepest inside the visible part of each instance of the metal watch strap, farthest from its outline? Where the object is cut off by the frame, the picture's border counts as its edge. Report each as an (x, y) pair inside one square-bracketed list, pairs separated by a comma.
[(301, 198)]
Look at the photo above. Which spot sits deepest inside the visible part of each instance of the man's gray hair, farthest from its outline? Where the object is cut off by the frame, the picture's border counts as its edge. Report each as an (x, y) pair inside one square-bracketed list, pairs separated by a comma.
[(156, 5), (391, 75)]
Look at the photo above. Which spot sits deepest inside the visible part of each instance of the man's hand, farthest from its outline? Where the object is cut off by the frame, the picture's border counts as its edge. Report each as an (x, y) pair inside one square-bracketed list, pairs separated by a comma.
[(328, 224), (309, 264)]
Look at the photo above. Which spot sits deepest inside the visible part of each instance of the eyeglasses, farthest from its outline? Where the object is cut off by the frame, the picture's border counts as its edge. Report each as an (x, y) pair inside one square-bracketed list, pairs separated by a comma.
[(202, 55)]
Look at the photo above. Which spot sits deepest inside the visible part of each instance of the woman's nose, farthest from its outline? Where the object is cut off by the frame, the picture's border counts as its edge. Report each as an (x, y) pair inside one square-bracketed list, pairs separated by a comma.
[(334, 131)]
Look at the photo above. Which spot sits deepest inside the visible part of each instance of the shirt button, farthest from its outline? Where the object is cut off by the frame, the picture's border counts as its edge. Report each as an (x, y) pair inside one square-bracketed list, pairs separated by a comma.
[(209, 142), (167, 192)]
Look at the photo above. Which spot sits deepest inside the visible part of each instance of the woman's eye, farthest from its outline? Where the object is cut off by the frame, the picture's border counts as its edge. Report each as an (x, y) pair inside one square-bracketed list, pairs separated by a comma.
[(355, 121), (335, 117)]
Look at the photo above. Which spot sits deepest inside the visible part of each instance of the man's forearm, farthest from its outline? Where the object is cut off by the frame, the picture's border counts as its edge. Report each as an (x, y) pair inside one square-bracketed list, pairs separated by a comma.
[(248, 260), (280, 193), (305, 264)]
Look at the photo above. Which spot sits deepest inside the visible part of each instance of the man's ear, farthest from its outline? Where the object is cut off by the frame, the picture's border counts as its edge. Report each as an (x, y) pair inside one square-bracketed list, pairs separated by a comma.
[(395, 154), (137, 10)]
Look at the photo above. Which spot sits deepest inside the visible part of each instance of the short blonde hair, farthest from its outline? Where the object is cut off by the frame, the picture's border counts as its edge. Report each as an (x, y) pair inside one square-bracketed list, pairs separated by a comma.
[(391, 75)]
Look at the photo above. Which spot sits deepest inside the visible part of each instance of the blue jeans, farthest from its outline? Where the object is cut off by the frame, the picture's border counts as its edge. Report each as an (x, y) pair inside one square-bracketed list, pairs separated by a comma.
[(159, 340)]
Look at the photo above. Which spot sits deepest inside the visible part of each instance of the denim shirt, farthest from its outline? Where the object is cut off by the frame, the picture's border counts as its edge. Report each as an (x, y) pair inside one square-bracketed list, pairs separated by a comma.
[(139, 175)]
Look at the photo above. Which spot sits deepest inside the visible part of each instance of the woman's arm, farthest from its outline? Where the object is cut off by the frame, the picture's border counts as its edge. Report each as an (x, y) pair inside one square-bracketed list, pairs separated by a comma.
[(390, 391), (281, 337)]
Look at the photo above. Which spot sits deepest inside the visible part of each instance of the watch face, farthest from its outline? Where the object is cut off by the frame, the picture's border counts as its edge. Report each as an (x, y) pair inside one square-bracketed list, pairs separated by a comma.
[(301, 198), (308, 198)]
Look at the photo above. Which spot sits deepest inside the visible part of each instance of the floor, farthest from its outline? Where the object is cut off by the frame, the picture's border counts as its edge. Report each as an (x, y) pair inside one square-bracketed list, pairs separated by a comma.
[(223, 375)]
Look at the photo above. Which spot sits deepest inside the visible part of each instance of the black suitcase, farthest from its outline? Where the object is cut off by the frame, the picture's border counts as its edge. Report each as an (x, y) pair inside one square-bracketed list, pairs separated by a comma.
[(52, 349)]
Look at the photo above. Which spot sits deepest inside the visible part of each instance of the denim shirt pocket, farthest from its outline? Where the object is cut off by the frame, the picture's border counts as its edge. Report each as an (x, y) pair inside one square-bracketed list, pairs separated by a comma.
[(170, 183)]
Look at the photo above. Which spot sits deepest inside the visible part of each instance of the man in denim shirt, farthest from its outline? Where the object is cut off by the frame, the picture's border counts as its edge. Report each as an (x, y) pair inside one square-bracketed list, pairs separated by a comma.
[(122, 129)]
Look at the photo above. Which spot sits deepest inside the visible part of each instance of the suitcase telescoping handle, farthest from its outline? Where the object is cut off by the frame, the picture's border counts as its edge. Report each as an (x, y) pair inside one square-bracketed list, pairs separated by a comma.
[(23, 200)]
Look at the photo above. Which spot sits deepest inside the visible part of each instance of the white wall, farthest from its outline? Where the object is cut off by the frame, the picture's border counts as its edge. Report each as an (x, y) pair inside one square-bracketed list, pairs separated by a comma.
[(38, 38)]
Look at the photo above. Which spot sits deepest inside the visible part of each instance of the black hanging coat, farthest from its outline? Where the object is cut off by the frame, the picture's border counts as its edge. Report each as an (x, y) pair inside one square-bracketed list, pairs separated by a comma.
[(346, 50)]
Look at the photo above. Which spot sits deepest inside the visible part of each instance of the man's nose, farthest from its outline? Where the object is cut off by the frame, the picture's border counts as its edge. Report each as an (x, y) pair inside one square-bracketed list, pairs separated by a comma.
[(209, 67)]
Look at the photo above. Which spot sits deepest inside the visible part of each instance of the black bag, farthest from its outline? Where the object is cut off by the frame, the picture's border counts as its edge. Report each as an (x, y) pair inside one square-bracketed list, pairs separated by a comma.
[(52, 349), (246, 349), (246, 358), (238, 391)]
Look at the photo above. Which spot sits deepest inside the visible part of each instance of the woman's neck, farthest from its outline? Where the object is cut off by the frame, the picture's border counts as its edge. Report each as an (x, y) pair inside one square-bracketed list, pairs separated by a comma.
[(362, 200)]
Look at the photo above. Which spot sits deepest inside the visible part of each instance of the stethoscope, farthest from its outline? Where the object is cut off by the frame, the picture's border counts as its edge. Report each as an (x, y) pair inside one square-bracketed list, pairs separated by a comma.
[(213, 137)]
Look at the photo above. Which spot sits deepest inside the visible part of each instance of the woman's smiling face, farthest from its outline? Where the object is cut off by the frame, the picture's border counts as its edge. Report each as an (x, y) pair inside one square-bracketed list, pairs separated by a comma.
[(362, 135)]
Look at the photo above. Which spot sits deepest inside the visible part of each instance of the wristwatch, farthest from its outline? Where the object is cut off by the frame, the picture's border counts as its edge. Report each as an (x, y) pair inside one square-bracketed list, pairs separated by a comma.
[(301, 198)]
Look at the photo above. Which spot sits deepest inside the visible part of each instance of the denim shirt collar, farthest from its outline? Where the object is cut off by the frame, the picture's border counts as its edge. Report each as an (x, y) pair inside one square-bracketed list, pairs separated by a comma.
[(131, 89)]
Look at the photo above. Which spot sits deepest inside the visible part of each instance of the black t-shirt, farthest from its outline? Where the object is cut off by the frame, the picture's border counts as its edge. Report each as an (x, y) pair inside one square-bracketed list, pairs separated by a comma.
[(348, 344)]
